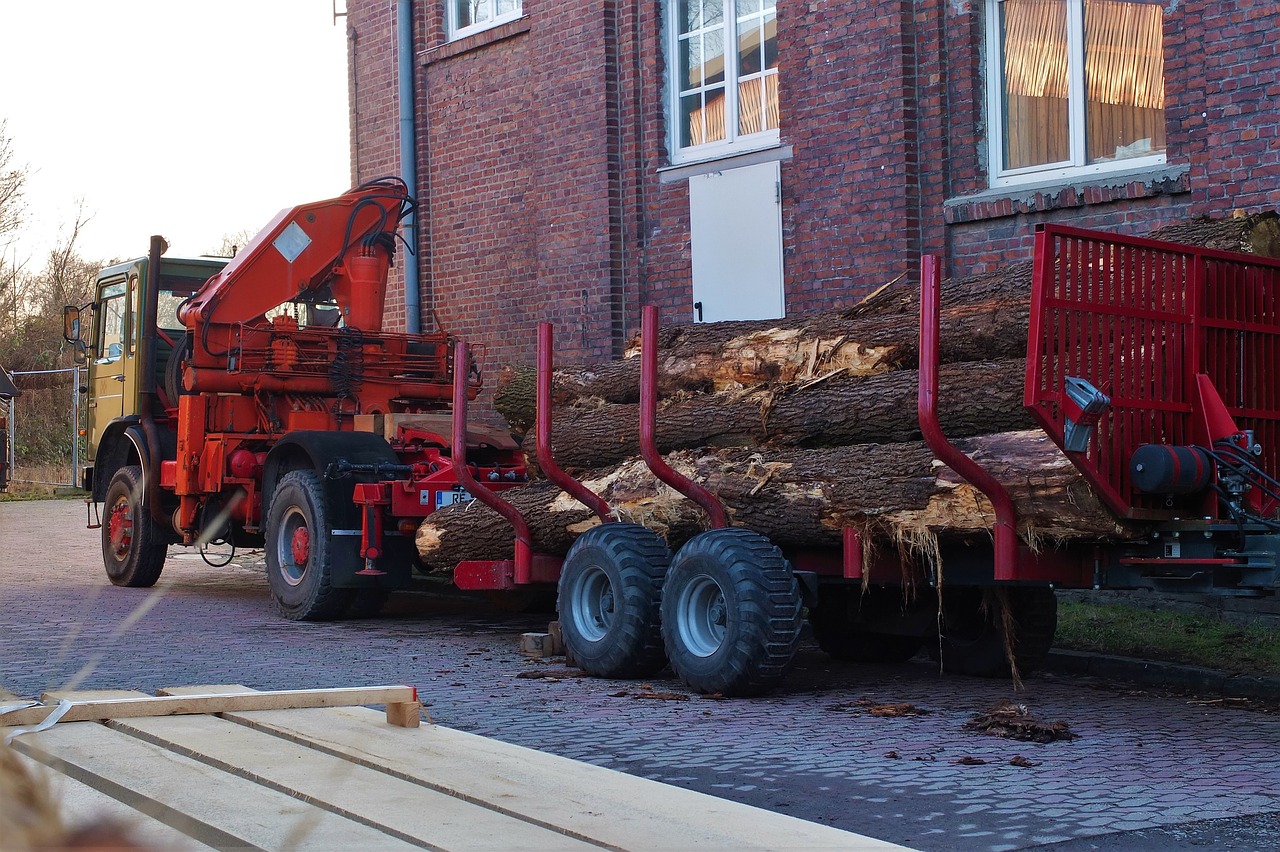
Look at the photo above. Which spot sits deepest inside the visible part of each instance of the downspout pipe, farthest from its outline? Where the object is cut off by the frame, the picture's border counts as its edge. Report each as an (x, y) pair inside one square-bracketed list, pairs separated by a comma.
[(408, 160)]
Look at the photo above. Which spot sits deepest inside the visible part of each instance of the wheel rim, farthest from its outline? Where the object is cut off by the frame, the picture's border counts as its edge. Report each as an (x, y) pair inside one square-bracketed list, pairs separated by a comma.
[(120, 528), (702, 616), (293, 546), (593, 604)]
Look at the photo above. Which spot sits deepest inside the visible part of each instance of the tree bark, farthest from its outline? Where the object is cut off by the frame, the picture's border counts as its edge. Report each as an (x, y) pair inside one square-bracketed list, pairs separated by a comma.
[(983, 317), (978, 397), (895, 493)]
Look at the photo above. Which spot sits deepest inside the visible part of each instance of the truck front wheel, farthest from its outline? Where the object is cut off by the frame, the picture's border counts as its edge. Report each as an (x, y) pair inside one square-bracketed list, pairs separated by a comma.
[(133, 545), (298, 557)]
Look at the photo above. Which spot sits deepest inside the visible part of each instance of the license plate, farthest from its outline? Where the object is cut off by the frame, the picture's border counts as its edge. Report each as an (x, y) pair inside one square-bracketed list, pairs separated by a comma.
[(448, 498)]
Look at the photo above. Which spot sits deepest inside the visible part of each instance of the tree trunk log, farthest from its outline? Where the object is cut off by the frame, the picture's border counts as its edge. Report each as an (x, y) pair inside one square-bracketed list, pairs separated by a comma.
[(896, 493), (983, 317), (978, 397)]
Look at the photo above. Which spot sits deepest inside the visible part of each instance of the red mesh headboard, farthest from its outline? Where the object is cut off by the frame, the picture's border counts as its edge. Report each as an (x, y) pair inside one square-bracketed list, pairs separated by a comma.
[(1138, 319)]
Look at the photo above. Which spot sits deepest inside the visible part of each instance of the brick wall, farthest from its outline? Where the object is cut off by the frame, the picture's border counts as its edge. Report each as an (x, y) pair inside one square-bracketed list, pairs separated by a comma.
[(540, 144)]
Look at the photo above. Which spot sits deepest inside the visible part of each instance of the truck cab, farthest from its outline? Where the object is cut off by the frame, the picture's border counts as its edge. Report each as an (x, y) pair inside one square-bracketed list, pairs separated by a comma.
[(114, 344)]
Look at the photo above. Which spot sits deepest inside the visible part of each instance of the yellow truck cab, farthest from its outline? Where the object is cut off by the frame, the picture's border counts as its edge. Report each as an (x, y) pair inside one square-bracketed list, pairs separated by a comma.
[(120, 338)]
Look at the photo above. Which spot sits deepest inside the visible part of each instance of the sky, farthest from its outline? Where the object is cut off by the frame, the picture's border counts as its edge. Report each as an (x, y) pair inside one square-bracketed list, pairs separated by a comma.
[(192, 119)]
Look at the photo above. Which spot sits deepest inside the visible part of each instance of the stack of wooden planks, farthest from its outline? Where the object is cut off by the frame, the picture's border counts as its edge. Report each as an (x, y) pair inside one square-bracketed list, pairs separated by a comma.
[(336, 777)]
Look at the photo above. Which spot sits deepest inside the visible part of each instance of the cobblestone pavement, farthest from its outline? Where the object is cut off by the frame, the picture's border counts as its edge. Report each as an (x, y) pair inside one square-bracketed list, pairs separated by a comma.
[(1146, 771)]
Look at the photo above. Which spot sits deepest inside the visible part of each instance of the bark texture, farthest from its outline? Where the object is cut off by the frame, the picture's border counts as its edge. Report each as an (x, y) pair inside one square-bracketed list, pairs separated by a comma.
[(978, 397), (800, 498)]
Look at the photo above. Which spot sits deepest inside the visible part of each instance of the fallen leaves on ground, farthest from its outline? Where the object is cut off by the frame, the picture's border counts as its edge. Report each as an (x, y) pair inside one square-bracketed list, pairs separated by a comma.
[(1015, 722), (550, 674), (1019, 760), (874, 708), (969, 761)]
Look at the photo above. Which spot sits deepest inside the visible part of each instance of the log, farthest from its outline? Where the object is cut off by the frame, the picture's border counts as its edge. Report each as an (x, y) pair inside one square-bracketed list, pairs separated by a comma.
[(701, 359), (984, 316), (979, 397), (801, 498)]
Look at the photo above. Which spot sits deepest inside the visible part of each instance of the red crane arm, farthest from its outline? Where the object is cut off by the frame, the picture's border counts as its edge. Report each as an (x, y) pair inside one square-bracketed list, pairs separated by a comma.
[(344, 242)]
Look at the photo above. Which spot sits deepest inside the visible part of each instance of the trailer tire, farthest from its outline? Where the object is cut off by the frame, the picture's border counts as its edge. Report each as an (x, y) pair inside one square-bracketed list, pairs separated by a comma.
[(133, 544), (731, 613), (971, 638), (299, 568), (835, 621), (610, 593)]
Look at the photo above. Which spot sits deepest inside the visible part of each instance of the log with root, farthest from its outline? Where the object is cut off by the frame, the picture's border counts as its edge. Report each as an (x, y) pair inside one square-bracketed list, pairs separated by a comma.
[(895, 493)]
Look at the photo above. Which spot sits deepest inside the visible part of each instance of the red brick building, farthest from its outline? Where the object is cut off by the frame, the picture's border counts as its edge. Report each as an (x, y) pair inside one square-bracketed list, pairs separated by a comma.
[(577, 159)]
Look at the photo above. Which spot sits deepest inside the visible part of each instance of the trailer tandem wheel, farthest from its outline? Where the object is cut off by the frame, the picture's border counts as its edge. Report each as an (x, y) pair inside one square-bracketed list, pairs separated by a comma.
[(731, 613), (133, 544), (971, 639), (609, 596), (837, 625), (299, 569)]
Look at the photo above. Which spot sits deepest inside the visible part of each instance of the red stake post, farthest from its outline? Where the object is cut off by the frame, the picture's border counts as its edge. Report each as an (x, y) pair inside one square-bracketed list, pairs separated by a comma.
[(458, 459), (648, 422), (1006, 535)]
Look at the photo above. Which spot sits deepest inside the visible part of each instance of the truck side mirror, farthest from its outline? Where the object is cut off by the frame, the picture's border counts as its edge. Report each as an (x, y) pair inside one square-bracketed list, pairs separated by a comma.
[(70, 323)]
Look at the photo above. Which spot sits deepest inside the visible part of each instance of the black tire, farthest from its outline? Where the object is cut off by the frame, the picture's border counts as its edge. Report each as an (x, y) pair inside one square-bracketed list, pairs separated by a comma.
[(133, 544), (730, 613), (610, 595), (836, 620), (297, 551), (366, 603), (971, 638)]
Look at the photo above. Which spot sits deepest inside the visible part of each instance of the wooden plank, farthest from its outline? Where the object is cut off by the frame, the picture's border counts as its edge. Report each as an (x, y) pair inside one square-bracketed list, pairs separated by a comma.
[(211, 806), (608, 807), (80, 805), (135, 707), (391, 803)]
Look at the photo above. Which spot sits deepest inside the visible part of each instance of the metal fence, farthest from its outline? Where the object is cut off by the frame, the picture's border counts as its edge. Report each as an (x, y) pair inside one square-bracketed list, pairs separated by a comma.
[(25, 405)]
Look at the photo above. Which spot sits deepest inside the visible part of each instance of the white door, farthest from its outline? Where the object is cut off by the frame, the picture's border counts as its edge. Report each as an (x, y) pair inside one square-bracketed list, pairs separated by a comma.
[(736, 233)]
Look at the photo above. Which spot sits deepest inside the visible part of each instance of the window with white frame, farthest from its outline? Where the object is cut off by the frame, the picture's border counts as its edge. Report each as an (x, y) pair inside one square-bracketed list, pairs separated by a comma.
[(724, 85), (1075, 87), (472, 16)]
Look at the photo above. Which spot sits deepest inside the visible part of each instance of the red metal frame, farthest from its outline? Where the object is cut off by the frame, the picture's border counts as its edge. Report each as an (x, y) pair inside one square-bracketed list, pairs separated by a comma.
[(546, 460), (649, 323), (458, 459), (1006, 527), (1166, 331)]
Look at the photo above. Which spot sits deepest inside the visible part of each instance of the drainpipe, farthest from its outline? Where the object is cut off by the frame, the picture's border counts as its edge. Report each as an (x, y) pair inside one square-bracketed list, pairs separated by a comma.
[(408, 160)]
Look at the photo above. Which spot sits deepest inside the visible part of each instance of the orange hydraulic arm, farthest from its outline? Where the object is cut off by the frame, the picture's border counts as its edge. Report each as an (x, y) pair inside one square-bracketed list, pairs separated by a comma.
[(342, 245)]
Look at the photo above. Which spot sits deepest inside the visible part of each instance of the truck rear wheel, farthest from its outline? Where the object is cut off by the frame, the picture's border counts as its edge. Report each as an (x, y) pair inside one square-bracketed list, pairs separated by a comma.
[(730, 613), (972, 633), (610, 594), (133, 545), (837, 626), (299, 568)]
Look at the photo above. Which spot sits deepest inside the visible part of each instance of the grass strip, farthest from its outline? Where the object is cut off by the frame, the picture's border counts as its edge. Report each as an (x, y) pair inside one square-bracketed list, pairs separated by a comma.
[(1169, 636)]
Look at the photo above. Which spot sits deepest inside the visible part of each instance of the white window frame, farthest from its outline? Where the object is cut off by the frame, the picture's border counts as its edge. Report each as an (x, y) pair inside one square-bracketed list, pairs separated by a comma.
[(732, 144), (1075, 167), (456, 32)]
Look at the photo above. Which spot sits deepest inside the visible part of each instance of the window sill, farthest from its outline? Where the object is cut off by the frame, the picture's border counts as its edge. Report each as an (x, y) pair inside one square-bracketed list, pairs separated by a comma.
[(475, 41), (1063, 194), (684, 171)]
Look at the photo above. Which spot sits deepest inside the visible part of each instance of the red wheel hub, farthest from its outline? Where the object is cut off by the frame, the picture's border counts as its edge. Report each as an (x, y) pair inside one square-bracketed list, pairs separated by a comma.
[(120, 528), (301, 545)]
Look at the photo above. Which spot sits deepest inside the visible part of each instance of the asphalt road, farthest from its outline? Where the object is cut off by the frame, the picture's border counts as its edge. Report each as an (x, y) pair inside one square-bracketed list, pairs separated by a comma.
[(1147, 771)]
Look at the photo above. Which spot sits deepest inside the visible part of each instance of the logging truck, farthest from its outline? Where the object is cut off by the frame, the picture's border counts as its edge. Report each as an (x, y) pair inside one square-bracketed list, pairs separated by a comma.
[(258, 401)]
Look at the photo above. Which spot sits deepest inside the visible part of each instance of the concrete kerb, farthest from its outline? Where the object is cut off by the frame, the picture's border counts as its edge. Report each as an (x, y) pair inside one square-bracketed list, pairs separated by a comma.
[(1202, 681)]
